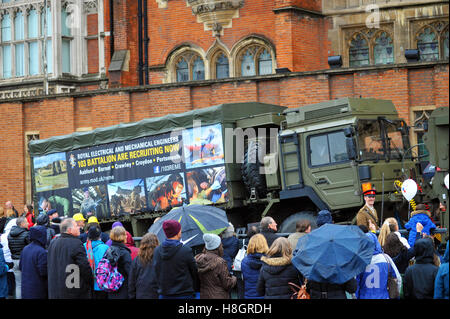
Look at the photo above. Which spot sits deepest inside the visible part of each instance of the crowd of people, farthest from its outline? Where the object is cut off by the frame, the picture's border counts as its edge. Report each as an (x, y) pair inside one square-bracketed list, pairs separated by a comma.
[(46, 257)]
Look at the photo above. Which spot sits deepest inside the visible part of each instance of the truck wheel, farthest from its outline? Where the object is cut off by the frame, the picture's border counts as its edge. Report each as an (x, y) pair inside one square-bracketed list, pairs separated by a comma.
[(288, 225), (250, 169)]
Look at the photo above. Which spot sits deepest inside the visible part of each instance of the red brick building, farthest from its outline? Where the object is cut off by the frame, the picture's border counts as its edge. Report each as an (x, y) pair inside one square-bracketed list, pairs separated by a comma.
[(117, 61)]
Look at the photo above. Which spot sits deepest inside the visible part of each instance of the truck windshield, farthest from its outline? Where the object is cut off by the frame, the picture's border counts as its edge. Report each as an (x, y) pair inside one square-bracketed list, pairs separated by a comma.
[(380, 139)]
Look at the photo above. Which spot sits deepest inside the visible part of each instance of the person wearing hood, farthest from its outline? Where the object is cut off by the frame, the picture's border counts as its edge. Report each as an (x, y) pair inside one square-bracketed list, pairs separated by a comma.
[(18, 238), (277, 271), (324, 217), (423, 216), (441, 290), (251, 265), (131, 246), (114, 225), (119, 237), (215, 278), (176, 270), (420, 277), (95, 250), (104, 237), (373, 281), (43, 220), (33, 265)]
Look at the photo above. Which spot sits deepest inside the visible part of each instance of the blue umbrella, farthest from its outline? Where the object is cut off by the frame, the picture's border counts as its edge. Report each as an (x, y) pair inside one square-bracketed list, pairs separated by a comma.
[(333, 253), (195, 221)]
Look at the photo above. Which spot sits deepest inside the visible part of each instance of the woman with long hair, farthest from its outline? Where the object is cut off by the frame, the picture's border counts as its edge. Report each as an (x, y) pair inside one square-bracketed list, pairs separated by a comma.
[(390, 225), (277, 271), (398, 252), (251, 265), (141, 284)]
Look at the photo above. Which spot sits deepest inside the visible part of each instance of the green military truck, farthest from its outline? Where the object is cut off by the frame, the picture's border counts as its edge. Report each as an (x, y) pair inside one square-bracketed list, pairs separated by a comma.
[(251, 159), (436, 141)]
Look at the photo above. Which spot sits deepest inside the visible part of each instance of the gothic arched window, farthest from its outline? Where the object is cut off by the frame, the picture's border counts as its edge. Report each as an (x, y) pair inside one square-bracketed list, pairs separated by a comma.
[(189, 66), (182, 70), (222, 66), (198, 72), (358, 51), (383, 50), (265, 63), (428, 45), (255, 59)]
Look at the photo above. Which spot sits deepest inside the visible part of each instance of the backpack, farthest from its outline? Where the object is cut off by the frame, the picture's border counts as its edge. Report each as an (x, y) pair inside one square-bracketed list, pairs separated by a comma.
[(239, 257), (108, 277)]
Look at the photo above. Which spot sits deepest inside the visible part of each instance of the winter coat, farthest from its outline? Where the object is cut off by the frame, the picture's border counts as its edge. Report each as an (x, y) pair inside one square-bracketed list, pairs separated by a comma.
[(420, 277), (33, 265), (276, 273), (141, 282), (403, 258), (29, 216), (18, 238), (270, 236), (319, 290), (65, 252), (365, 214), (130, 244), (251, 267), (215, 279), (441, 290), (230, 249), (293, 239), (98, 249), (175, 269), (123, 266), (372, 283), (43, 220), (419, 216), (3, 270)]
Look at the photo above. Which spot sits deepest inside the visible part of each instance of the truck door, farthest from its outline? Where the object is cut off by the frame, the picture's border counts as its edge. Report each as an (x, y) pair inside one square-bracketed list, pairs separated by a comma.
[(328, 169)]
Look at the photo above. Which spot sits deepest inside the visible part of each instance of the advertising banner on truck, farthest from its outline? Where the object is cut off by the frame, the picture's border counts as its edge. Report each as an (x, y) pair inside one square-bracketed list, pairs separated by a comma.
[(152, 173)]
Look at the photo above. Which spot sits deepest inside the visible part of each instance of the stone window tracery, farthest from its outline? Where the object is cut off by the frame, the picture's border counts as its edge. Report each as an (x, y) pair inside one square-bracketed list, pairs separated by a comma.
[(254, 59), (359, 51), (430, 37), (189, 66), (369, 46)]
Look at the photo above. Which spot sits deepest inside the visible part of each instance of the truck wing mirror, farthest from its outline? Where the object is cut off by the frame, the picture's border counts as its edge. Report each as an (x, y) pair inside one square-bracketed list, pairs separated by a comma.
[(349, 131), (351, 148)]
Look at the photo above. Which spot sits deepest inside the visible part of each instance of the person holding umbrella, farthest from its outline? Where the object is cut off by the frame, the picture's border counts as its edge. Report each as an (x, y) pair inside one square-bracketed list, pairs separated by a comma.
[(176, 272), (330, 257), (373, 281)]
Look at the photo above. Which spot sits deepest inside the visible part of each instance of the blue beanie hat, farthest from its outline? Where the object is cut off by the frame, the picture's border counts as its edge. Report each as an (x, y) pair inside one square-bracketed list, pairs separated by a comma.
[(324, 217)]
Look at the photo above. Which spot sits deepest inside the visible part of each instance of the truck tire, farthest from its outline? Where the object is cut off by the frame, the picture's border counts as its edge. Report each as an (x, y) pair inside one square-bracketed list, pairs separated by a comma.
[(250, 169), (288, 225)]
